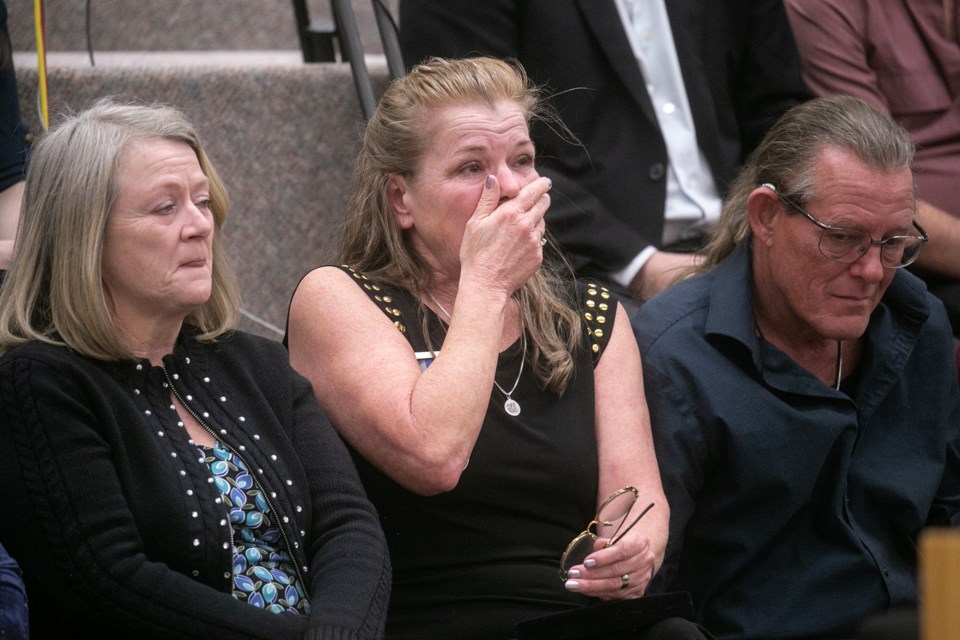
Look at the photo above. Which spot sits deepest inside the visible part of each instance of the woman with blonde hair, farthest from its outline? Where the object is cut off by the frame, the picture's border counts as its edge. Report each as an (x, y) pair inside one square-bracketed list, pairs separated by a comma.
[(493, 407), (166, 476)]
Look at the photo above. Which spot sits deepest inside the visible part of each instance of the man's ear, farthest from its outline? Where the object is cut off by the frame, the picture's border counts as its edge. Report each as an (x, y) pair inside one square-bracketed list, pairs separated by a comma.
[(398, 197), (764, 210)]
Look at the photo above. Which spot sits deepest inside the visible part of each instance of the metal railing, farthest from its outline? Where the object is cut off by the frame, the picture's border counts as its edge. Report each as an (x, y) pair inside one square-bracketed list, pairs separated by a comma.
[(320, 40)]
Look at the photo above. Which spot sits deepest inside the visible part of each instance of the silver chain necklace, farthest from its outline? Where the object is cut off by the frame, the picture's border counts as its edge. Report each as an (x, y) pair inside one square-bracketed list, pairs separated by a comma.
[(511, 406), (839, 363)]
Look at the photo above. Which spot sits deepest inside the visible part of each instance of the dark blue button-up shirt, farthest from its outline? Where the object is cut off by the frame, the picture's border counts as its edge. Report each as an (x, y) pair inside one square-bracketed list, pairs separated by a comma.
[(795, 508), (13, 600)]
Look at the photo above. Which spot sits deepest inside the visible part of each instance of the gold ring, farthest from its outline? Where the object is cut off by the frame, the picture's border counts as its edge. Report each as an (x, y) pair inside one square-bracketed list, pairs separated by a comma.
[(625, 581)]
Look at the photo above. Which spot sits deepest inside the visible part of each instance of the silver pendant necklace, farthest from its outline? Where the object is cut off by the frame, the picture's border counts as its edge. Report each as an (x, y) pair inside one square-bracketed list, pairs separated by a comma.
[(511, 406)]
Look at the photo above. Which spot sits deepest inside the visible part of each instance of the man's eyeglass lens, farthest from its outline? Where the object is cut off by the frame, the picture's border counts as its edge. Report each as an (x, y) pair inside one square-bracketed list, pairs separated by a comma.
[(608, 524), (846, 246)]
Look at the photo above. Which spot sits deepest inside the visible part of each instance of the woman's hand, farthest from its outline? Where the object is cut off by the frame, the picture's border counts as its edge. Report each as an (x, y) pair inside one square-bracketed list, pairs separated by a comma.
[(503, 240), (627, 458), (618, 572)]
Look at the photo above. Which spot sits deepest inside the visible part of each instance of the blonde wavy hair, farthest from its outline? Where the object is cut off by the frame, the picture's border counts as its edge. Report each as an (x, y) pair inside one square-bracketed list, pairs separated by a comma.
[(54, 290), (395, 142)]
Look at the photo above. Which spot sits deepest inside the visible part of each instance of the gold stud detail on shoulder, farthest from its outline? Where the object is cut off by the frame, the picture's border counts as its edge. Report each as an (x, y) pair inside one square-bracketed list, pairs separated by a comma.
[(601, 319), (588, 316), (592, 304), (598, 333)]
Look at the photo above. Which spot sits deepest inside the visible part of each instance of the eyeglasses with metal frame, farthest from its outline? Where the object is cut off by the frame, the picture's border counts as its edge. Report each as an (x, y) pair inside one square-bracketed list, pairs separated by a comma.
[(846, 246), (606, 524)]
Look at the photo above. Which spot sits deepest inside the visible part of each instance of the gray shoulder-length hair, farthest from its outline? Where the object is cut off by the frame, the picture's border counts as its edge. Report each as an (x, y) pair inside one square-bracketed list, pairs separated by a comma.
[(787, 158), (54, 291), (395, 142)]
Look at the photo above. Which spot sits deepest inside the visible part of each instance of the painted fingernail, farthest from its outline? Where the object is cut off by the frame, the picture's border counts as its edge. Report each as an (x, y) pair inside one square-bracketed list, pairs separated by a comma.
[(590, 563), (574, 573), (489, 183), (572, 585)]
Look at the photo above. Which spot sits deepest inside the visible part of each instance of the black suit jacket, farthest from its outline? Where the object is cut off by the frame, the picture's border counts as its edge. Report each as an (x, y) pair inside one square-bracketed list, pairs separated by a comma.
[(741, 71)]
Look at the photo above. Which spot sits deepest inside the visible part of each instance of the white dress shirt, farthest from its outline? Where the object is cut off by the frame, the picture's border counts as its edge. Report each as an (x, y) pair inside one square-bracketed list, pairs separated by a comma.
[(693, 199)]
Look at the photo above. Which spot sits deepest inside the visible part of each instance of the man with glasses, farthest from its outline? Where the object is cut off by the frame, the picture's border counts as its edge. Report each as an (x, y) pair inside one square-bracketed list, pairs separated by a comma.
[(904, 58), (805, 407)]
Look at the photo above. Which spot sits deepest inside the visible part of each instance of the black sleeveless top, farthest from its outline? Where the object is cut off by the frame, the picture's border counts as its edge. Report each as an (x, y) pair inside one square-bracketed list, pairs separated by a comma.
[(473, 562)]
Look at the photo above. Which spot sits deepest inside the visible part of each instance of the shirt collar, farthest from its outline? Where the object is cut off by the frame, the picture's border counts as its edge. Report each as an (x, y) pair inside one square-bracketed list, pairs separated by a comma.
[(731, 316), (731, 301)]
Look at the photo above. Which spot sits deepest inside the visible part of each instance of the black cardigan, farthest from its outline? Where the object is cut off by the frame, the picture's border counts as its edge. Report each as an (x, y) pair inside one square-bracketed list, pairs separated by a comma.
[(119, 529)]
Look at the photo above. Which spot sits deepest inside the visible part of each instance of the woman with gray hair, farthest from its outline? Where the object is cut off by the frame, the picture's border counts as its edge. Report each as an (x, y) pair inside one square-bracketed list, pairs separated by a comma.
[(165, 475)]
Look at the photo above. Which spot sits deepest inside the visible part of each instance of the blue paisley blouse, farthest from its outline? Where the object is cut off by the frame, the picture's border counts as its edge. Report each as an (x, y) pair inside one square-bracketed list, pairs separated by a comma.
[(263, 572)]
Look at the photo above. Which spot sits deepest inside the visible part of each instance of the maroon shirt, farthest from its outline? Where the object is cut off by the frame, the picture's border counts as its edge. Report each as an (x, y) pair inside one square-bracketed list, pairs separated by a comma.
[(900, 56)]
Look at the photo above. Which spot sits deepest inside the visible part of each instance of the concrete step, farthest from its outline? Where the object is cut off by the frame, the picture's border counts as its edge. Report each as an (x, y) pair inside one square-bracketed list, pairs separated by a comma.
[(177, 25)]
